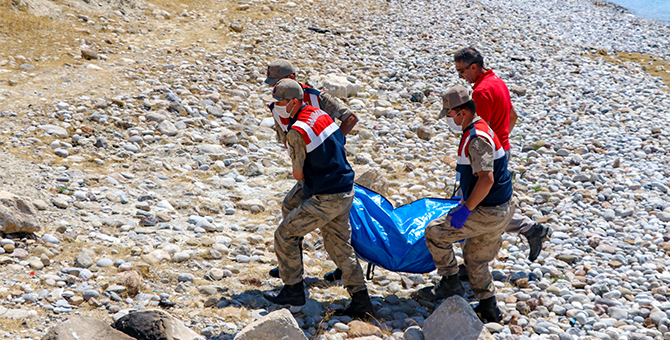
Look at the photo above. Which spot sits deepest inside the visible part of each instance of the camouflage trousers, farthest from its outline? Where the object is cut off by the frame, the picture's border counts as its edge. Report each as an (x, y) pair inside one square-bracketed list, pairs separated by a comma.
[(482, 233), (329, 213), (293, 199)]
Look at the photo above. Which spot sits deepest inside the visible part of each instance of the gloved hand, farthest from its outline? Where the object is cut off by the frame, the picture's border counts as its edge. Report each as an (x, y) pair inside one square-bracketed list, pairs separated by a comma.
[(459, 216)]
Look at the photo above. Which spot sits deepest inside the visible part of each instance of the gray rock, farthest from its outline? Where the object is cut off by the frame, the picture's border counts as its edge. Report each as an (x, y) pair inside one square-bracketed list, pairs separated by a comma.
[(228, 137), (54, 130), (101, 142), (456, 318), (16, 314), (518, 90), (154, 324), (167, 128), (185, 277), (311, 308), (157, 116), (372, 179), (104, 263), (82, 327), (494, 327), (211, 148), (89, 54), (413, 333), (276, 325), (254, 169), (663, 216), (83, 260), (61, 152), (214, 111), (181, 257), (340, 86), (236, 27), (425, 132), (17, 214), (59, 202), (49, 238), (90, 294)]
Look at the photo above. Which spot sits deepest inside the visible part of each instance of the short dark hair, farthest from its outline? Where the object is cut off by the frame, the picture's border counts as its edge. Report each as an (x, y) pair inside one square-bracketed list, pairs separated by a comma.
[(469, 55), (469, 106)]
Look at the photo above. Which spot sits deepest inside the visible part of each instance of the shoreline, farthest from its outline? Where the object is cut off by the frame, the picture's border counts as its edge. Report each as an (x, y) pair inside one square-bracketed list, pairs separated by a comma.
[(626, 10), (605, 3)]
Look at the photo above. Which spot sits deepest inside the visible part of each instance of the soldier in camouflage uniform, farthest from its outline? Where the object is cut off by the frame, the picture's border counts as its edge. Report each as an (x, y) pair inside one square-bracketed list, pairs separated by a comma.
[(281, 69), (317, 152), (483, 214)]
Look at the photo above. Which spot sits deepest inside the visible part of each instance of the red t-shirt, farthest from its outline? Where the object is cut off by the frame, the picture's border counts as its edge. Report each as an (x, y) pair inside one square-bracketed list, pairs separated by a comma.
[(492, 98)]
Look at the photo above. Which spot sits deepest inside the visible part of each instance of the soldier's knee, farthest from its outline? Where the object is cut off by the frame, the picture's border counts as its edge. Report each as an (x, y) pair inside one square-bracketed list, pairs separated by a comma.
[(431, 232), (282, 232)]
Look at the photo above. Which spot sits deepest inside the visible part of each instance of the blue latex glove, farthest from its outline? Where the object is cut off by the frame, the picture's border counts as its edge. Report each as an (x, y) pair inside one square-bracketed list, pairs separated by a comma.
[(459, 216)]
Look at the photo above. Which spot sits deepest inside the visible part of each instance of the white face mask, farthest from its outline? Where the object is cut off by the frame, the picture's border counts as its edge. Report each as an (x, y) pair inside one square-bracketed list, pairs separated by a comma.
[(453, 126), (281, 111)]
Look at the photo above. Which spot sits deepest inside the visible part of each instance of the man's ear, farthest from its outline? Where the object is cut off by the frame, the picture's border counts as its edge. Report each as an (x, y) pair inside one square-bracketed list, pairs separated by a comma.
[(292, 76)]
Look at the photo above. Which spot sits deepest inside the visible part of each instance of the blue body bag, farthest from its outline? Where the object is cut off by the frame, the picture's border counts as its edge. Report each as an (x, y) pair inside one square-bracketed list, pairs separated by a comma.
[(393, 238)]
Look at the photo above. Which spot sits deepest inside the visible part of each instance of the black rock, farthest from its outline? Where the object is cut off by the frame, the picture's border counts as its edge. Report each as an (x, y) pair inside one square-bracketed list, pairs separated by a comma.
[(498, 276)]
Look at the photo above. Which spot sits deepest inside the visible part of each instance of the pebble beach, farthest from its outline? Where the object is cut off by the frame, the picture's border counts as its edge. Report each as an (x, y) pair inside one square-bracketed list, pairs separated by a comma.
[(172, 173)]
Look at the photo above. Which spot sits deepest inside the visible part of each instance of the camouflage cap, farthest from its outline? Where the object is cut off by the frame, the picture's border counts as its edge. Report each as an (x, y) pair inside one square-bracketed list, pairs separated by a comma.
[(287, 89), (278, 69), (455, 96)]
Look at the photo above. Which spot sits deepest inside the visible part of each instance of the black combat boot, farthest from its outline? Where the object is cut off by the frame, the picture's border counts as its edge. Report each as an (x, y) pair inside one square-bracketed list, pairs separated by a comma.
[(293, 295), (360, 306), (448, 286), (488, 310), (274, 272), (535, 236), (333, 275), (463, 273)]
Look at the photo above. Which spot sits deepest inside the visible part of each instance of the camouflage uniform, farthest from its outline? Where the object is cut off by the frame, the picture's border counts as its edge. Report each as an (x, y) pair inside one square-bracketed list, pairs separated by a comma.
[(482, 232), (329, 213), (336, 109)]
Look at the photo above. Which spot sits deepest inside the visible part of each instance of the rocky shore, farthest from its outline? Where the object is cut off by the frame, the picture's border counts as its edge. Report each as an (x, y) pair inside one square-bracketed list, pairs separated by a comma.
[(146, 175)]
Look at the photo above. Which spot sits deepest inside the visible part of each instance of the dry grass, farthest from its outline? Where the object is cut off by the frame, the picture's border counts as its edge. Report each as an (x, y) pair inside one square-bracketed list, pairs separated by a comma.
[(22, 33), (654, 66)]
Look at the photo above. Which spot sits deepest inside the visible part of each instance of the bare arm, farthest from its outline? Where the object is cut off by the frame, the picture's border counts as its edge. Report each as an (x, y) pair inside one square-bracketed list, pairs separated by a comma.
[(481, 189), (348, 124), (512, 118), (337, 109), (298, 175), (298, 152)]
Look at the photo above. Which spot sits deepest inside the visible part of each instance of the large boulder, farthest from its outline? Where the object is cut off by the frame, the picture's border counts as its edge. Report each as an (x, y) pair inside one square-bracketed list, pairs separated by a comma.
[(81, 327), (154, 325), (340, 86), (17, 214), (372, 179), (278, 325), (455, 320)]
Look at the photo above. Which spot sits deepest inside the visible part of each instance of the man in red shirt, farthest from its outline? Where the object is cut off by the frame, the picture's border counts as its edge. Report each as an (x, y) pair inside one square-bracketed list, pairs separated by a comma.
[(492, 99)]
